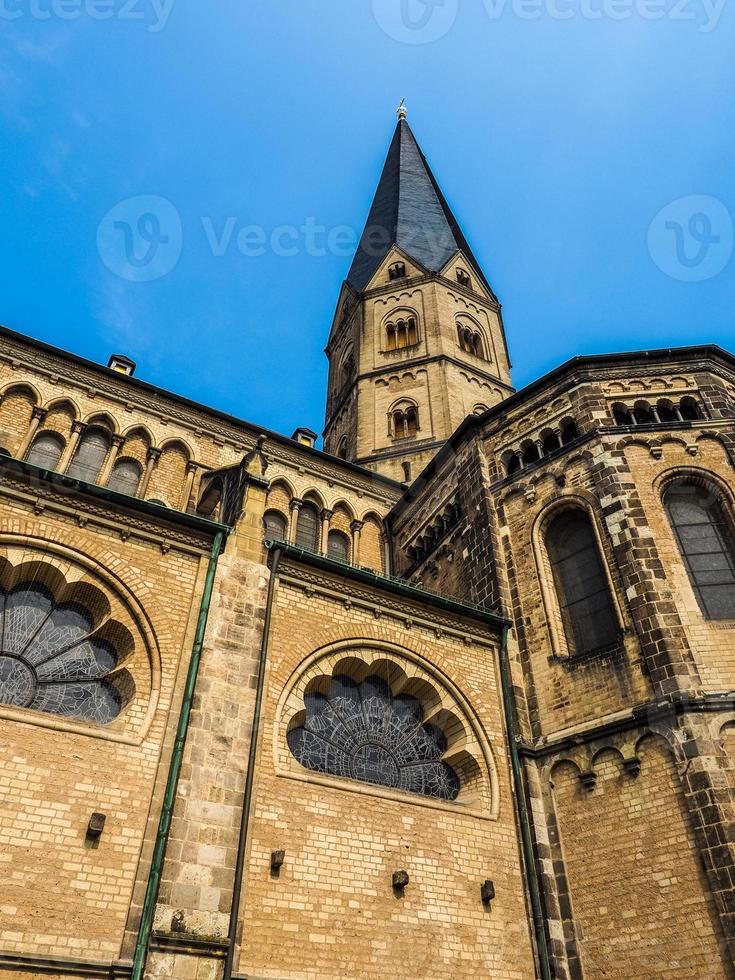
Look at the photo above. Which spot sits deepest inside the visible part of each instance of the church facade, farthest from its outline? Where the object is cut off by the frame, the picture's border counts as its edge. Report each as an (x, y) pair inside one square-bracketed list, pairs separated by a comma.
[(454, 697)]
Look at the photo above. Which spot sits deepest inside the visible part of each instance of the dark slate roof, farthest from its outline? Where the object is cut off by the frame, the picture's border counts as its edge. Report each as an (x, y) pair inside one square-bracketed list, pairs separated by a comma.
[(408, 210)]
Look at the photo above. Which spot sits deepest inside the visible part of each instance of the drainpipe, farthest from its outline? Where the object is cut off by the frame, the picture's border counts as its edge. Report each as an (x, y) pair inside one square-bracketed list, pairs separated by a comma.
[(250, 777), (520, 794), (164, 823)]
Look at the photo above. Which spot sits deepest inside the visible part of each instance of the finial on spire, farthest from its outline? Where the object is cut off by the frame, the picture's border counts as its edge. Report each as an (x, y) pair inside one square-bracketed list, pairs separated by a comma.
[(402, 110)]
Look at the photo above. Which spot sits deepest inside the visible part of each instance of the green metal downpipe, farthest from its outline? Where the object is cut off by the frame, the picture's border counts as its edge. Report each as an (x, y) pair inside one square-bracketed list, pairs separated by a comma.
[(520, 792), (164, 824)]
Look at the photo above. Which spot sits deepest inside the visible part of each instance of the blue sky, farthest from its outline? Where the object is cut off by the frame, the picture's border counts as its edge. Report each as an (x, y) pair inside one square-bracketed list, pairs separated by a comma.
[(586, 147)]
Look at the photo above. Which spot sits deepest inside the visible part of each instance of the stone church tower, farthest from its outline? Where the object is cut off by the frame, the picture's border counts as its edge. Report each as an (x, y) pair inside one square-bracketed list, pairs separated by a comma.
[(417, 342), (267, 713)]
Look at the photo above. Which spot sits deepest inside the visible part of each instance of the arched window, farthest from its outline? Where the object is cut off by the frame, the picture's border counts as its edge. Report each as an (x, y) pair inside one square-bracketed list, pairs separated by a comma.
[(581, 585), (362, 730), (513, 464), (406, 466), (90, 455), (622, 415), (397, 270), (46, 451), (405, 422), (347, 370), (690, 410), (480, 409), (338, 546), (530, 453), (307, 527), (666, 411), (402, 333), (342, 448), (275, 525), (551, 443), (707, 545), (642, 413), (463, 278), (50, 659), (569, 433), (125, 476)]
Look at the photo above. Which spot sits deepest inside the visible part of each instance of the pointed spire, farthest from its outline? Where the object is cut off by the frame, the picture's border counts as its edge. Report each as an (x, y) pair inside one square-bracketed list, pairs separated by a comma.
[(408, 210)]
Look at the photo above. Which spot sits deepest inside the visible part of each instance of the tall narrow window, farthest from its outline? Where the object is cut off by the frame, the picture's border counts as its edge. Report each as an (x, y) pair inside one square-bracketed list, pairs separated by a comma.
[(307, 527), (90, 455), (125, 476), (707, 545), (274, 524), (46, 451), (338, 546), (581, 585)]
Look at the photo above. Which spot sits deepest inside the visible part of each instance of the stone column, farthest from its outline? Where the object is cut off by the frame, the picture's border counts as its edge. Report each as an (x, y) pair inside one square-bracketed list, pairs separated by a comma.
[(77, 428), (151, 459), (113, 452), (295, 506), (356, 527), (191, 468), (326, 516), (38, 416)]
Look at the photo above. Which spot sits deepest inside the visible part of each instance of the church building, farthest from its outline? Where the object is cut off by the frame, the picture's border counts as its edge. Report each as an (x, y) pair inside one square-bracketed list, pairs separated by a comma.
[(453, 697)]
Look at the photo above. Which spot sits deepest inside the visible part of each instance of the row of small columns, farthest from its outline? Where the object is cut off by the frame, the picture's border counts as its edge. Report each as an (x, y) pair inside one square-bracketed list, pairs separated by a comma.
[(653, 409), (325, 516), (38, 417)]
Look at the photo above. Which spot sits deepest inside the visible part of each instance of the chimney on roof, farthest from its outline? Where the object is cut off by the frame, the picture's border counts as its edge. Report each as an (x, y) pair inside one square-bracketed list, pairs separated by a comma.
[(121, 364), (305, 437)]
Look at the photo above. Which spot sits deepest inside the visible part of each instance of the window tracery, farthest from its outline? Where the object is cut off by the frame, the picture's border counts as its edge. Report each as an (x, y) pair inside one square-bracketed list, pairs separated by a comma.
[(366, 732), (51, 658)]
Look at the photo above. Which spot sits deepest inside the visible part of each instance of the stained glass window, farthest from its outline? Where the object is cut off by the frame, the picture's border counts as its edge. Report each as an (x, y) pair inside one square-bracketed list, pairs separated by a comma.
[(338, 546), (581, 584), (707, 545), (46, 451), (50, 660), (125, 476), (90, 455), (307, 526), (363, 731), (275, 525)]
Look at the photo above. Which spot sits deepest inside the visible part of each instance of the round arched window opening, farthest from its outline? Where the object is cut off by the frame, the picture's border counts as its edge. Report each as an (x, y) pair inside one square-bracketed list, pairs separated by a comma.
[(366, 732), (52, 659)]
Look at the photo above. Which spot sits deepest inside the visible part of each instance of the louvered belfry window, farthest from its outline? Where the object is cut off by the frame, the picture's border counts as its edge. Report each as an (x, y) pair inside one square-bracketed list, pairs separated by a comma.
[(707, 545), (90, 455), (581, 585), (307, 527)]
